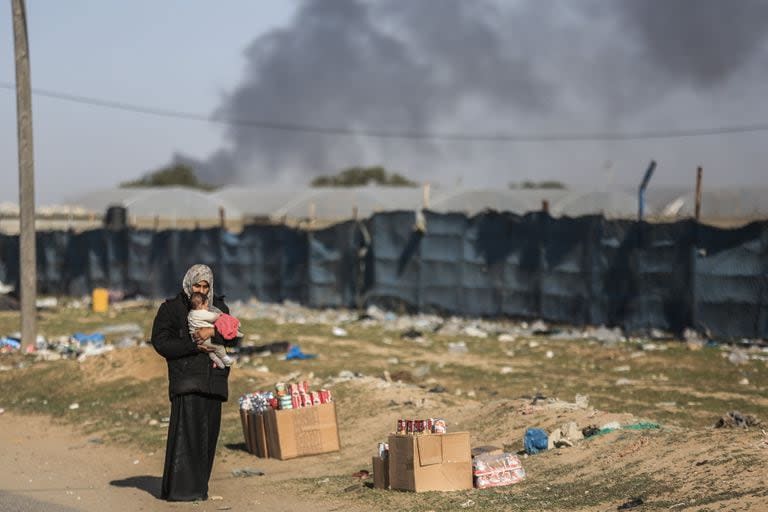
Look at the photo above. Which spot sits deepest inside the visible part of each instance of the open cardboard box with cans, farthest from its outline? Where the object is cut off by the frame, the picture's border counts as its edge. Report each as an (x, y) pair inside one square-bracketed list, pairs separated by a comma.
[(307, 426), (421, 459)]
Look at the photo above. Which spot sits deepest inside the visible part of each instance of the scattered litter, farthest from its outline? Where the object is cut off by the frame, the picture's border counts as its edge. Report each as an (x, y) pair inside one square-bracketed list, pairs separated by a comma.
[(475, 332), (738, 357), (735, 419), (412, 334), (215, 498), (295, 353), (635, 502), (744, 381), (535, 440), (565, 436), (362, 474), (136, 461), (507, 338), (74, 406), (624, 368), (95, 339), (590, 431), (246, 472), (339, 332), (550, 354), (94, 350), (624, 382), (506, 369), (2, 410), (458, 347), (467, 504), (533, 344), (437, 389), (496, 470)]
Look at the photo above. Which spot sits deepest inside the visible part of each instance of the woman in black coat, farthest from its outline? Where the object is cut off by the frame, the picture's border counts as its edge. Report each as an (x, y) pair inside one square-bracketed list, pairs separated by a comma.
[(196, 389)]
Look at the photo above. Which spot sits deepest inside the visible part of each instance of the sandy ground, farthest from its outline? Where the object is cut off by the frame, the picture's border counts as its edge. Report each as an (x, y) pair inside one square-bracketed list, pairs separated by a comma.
[(46, 467)]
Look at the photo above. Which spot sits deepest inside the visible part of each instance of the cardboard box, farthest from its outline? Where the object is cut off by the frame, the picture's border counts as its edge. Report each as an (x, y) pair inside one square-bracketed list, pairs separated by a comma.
[(430, 462), (297, 432), (246, 430), (254, 432), (380, 473)]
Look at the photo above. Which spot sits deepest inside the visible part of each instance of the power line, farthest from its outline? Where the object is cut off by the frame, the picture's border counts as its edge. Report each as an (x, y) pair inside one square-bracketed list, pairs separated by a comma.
[(406, 135)]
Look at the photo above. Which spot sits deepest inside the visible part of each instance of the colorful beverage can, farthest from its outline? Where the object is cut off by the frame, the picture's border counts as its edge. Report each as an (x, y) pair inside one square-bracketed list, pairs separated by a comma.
[(400, 426), (439, 426), (409, 426)]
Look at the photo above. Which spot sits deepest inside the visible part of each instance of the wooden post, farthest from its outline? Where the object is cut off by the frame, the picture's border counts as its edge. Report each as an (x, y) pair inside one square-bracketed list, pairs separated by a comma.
[(27, 249), (222, 218), (699, 171)]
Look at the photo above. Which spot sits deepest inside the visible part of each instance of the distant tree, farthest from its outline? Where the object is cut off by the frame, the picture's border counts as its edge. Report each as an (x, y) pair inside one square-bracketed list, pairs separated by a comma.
[(172, 175), (531, 185), (361, 176)]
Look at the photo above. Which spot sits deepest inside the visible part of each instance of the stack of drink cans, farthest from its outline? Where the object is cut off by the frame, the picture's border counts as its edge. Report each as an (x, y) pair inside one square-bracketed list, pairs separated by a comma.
[(417, 427), (285, 396)]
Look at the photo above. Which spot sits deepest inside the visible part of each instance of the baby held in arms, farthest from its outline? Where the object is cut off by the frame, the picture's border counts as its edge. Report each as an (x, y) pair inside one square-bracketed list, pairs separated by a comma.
[(202, 315)]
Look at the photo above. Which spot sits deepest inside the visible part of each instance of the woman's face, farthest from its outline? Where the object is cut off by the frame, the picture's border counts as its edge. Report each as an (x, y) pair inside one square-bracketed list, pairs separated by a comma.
[(202, 287)]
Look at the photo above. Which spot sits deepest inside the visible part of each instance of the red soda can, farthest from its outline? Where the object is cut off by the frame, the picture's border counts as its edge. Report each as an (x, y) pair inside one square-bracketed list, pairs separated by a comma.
[(305, 385), (273, 403), (400, 427), (409, 426), (430, 424)]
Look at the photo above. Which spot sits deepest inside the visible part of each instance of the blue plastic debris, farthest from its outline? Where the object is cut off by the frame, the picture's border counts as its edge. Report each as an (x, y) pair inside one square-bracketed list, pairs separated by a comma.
[(7, 341), (295, 353), (96, 339), (535, 441)]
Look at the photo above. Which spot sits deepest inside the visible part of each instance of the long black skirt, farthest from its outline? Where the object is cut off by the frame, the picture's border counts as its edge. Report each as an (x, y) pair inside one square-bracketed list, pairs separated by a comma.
[(191, 447)]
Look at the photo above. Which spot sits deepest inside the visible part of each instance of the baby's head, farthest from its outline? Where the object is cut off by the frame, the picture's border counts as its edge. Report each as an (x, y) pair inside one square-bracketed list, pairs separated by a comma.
[(198, 300)]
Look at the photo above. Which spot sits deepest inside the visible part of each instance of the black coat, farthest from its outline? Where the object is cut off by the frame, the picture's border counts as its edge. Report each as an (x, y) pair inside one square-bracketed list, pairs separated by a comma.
[(189, 370)]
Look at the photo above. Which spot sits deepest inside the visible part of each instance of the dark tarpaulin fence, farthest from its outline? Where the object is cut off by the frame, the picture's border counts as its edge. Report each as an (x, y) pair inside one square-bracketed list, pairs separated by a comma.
[(585, 270)]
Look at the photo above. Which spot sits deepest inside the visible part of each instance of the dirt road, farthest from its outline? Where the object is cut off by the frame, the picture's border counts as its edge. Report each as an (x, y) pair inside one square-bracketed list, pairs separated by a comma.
[(47, 467)]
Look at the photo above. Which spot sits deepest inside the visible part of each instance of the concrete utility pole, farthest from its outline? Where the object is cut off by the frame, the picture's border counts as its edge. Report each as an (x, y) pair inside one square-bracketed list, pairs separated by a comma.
[(27, 257)]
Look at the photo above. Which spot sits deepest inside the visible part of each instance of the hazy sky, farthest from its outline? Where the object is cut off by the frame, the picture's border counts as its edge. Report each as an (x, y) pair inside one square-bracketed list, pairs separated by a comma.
[(402, 66)]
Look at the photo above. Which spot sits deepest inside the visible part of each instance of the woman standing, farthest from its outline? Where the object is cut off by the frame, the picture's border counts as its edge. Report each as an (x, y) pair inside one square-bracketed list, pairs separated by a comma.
[(196, 390)]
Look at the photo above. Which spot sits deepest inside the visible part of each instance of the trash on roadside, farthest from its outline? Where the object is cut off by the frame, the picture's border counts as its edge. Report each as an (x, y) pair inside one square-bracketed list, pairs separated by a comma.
[(738, 357), (458, 347), (475, 332), (94, 350), (95, 339), (496, 470), (339, 332), (295, 353), (535, 440), (633, 503), (735, 419), (246, 472), (590, 431), (566, 435)]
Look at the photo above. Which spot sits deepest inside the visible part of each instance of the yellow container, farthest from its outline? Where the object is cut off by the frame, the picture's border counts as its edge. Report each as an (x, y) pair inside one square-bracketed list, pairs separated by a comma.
[(100, 300)]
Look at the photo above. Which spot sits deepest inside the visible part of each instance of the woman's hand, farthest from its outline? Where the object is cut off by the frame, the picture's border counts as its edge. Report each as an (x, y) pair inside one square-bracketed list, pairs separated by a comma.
[(202, 334)]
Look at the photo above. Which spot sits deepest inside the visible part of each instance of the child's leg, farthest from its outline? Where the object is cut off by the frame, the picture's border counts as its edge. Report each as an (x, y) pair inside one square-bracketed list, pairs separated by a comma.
[(221, 352), (216, 360), (215, 355)]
